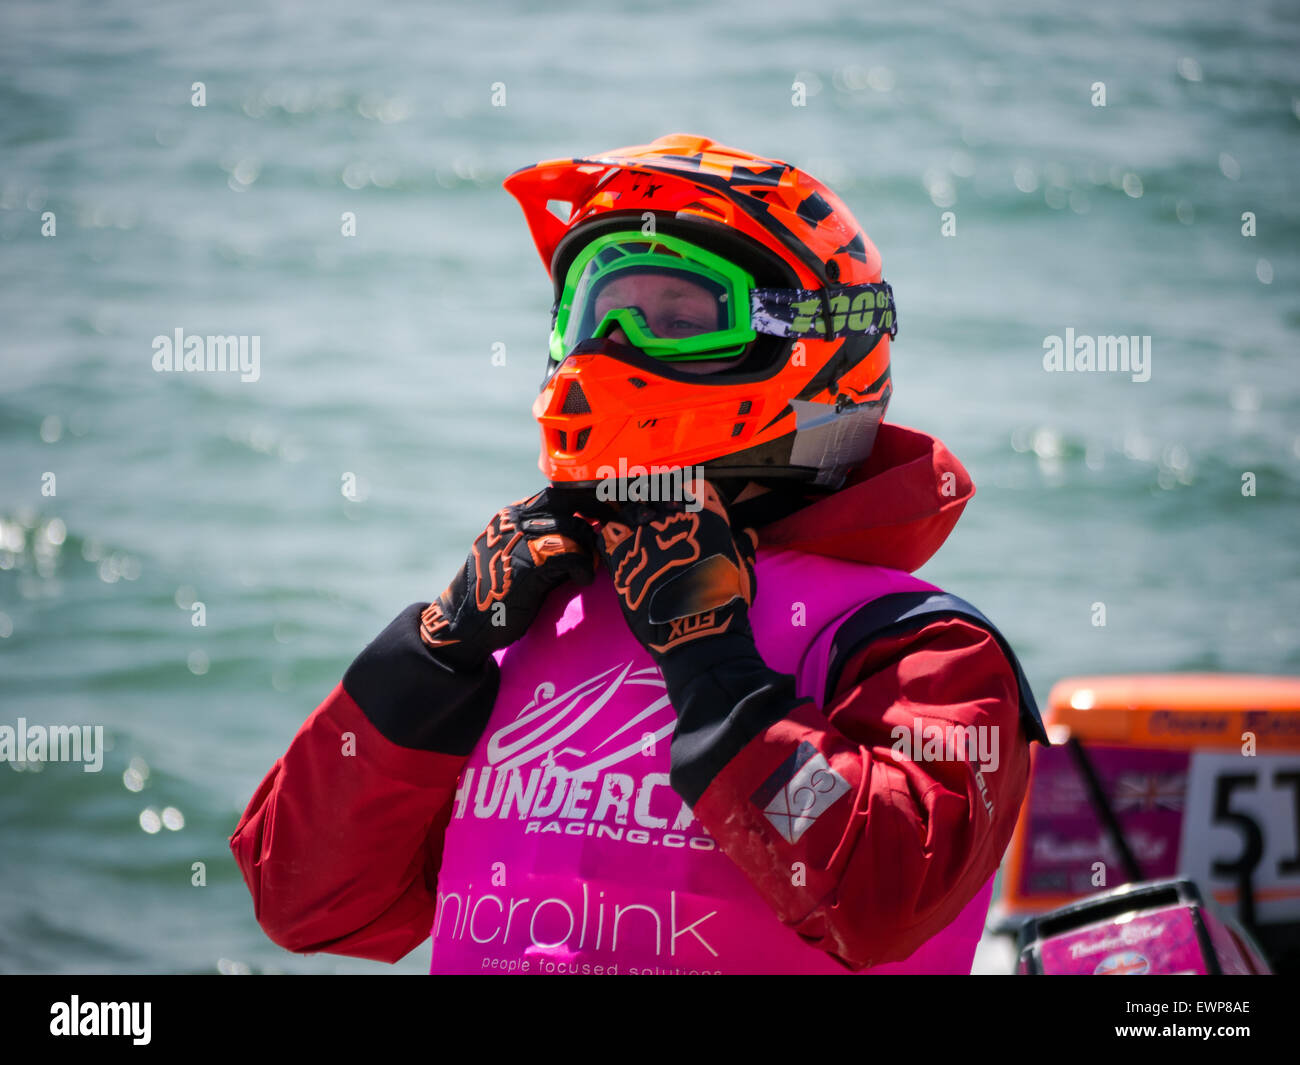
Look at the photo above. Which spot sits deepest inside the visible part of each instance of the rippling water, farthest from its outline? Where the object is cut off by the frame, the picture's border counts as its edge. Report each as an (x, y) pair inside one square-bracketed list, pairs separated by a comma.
[(128, 496)]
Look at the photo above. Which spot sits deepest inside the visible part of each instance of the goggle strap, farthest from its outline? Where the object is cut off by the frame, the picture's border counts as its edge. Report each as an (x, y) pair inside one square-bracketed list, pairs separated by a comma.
[(801, 312)]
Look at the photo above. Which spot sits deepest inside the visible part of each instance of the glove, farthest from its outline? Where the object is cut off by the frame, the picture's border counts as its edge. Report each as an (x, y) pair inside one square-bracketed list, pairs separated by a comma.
[(681, 576), (527, 549)]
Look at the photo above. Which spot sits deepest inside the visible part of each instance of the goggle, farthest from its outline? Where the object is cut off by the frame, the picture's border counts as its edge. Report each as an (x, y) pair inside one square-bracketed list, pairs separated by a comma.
[(677, 301)]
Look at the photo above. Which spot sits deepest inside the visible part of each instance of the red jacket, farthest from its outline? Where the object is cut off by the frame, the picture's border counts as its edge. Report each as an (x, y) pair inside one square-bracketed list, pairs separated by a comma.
[(341, 853)]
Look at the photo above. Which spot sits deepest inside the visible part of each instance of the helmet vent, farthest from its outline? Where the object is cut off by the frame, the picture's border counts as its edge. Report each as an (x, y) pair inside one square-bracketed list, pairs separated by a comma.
[(746, 406), (582, 439), (575, 401), (701, 208), (737, 429), (636, 382)]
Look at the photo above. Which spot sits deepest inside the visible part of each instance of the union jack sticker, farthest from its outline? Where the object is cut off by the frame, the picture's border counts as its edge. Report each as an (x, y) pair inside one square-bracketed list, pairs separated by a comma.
[(801, 789), (1127, 963), (1150, 791)]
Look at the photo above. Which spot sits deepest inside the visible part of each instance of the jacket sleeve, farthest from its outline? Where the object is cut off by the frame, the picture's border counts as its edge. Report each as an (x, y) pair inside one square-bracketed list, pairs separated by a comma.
[(894, 849), (341, 845)]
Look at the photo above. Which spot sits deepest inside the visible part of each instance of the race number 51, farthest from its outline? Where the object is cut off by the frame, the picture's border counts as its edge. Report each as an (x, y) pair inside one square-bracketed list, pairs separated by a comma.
[(1242, 819)]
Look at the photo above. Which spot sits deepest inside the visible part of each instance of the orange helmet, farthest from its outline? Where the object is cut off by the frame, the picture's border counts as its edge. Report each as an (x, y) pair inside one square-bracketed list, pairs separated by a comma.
[(791, 275)]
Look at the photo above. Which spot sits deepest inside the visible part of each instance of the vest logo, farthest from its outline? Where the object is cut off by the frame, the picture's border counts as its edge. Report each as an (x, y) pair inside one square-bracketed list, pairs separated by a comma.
[(540, 730), (587, 761), (803, 787)]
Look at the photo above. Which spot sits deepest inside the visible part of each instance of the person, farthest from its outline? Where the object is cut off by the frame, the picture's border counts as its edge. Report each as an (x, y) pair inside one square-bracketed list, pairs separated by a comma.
[(686, 709)]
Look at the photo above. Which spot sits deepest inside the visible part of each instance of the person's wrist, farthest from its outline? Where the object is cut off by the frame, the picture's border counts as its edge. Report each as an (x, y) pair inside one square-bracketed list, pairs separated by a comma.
[(448, 650), (459, 658), (723, 695), (688, 664)]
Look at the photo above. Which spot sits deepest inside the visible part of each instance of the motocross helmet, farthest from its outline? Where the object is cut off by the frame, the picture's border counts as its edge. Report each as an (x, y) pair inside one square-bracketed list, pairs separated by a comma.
[(751, 266)]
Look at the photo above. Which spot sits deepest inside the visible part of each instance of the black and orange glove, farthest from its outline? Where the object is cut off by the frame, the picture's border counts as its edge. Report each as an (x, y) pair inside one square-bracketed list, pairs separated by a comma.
[(528, 548), (681, 575)]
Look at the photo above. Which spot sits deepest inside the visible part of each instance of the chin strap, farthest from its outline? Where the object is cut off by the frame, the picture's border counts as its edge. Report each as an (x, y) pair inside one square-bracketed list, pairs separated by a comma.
[(728, 487), (583, 502), (783, 499)]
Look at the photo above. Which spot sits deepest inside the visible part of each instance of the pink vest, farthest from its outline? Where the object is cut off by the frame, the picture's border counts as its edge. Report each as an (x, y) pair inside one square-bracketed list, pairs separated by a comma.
[(568, 851)]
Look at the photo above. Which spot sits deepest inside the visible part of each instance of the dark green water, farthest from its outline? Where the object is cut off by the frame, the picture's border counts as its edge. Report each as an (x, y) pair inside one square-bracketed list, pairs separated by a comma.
[(376, 357)]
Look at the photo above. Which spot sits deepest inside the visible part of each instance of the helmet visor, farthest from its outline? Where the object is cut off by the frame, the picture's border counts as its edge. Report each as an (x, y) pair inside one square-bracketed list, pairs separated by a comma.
[(672, 299)]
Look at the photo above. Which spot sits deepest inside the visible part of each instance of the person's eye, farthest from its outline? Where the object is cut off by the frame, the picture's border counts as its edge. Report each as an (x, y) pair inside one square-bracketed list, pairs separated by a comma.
[(687, 326)]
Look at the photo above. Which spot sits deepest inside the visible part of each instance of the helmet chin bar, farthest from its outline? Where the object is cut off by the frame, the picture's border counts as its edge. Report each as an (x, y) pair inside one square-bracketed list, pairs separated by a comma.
[(825, 443)]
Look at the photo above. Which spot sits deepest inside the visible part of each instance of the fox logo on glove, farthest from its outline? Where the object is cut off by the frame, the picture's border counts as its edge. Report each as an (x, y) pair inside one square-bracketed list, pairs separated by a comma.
[(676, 570), (656, 549)]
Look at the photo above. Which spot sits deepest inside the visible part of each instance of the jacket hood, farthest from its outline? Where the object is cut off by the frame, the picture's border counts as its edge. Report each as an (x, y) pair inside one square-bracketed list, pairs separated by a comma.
[(896, 509)]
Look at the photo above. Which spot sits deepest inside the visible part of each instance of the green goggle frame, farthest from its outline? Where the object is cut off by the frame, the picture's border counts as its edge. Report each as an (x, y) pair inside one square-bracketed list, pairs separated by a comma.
[(613, 254)]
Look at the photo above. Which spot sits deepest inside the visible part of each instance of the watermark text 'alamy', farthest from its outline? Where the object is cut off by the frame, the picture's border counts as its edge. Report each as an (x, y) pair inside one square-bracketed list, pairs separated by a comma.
[(1101, 354), (208, 354)]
